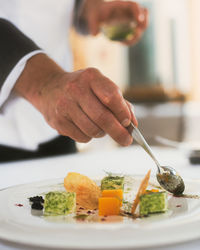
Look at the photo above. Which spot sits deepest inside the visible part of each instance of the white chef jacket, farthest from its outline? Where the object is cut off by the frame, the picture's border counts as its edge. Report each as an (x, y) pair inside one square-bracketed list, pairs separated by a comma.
[(47, 23)]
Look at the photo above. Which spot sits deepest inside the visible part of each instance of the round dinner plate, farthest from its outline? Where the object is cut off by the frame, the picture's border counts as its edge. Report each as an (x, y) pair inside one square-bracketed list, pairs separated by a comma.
[(18, 224)]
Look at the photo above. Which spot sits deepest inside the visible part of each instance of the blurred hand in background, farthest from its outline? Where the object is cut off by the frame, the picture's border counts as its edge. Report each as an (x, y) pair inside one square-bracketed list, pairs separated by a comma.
[(99, 13)]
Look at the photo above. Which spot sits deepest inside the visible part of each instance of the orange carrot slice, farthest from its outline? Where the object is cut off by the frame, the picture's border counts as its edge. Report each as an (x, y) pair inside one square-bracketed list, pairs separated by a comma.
[(153, 190), (117, 193), (142, 190), (109, 206)]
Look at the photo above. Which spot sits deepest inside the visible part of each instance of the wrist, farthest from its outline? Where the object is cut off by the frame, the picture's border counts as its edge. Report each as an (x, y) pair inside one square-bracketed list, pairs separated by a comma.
[(39, 71)]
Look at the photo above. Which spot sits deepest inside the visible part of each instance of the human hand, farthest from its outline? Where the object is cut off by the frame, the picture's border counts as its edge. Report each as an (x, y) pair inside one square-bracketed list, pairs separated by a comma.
[(82, 105), (100, 12), (85, 105)]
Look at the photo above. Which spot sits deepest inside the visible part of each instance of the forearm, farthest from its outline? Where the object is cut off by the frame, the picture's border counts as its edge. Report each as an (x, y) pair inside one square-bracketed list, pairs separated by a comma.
[(39, 71)]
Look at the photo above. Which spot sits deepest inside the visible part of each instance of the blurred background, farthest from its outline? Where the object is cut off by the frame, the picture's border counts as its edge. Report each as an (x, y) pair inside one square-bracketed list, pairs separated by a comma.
[(160, 75)]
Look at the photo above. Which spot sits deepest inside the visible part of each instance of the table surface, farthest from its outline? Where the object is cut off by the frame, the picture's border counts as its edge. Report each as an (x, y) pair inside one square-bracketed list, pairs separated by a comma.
[(122, 160)]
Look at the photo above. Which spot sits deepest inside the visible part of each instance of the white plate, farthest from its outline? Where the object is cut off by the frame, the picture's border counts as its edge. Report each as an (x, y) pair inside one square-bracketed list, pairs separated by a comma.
[(180, 224)]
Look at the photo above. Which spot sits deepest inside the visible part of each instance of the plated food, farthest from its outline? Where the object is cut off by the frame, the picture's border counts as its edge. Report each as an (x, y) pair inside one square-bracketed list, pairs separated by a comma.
[(161, 217), (115, 195)]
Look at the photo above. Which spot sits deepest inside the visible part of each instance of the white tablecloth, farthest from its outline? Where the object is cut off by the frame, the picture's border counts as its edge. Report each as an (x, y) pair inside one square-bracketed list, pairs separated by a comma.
[(132, 160)]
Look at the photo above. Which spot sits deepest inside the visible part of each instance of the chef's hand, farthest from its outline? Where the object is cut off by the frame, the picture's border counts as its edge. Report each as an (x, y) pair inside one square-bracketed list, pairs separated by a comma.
[(98, 12), (82, 105)]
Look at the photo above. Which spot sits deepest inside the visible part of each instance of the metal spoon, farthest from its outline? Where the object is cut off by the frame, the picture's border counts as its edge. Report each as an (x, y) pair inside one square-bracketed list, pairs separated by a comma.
[(168, 178)]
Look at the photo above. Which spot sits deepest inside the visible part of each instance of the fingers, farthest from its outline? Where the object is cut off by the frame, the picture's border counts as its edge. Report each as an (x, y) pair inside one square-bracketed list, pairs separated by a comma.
[(110, 95), (93, 23), (83, 122), (136, 10), (146, 18), (133, 118), (90, 105), (137, 36), (141, 15), (70, 111), (68, 128), (122, 10), (105, 119)]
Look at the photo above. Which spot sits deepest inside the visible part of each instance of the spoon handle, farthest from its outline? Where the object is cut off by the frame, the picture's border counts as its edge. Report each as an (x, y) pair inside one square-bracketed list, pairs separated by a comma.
[(138, 137)]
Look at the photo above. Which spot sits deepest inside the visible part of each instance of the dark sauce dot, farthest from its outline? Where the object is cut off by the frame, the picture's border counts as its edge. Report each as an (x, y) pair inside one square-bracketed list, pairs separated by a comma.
[(19, 205)]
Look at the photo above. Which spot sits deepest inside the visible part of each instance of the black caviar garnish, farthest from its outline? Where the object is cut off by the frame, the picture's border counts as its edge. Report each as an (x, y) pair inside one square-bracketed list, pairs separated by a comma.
[(37, 206), (36, 199), (37, 202)]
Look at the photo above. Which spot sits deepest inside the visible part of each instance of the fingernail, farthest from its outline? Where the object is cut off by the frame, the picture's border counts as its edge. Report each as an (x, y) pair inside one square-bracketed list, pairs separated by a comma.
[(128, 141), (126, 122), (132, 109)]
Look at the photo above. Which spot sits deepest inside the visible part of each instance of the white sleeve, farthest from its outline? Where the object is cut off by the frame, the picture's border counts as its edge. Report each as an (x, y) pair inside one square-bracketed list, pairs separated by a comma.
[(14, 75)]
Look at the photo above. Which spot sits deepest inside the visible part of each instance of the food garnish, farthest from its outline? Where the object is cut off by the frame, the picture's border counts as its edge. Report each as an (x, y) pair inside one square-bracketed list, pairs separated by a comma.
[(153, 190), (87, 191), (37, 206), (36, 199), (36, 202), (141, 191)]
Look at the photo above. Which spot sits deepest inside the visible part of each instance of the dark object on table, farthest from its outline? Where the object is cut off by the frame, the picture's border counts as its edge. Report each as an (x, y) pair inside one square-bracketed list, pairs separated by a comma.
[(194, 156)]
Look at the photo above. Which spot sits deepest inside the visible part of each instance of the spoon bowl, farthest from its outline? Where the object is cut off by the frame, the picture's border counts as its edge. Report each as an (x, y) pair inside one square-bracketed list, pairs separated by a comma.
[(167, 177), (170, 180)]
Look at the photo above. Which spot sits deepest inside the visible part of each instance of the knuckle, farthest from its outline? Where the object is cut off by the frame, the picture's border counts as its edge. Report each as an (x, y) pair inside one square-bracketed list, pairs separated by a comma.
[(62, 108), (111, 96), (73, 90), (70, 85), (90, 72)]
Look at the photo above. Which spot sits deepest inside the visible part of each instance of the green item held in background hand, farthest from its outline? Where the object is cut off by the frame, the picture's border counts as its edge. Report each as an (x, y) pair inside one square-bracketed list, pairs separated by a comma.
[(119, 31)]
